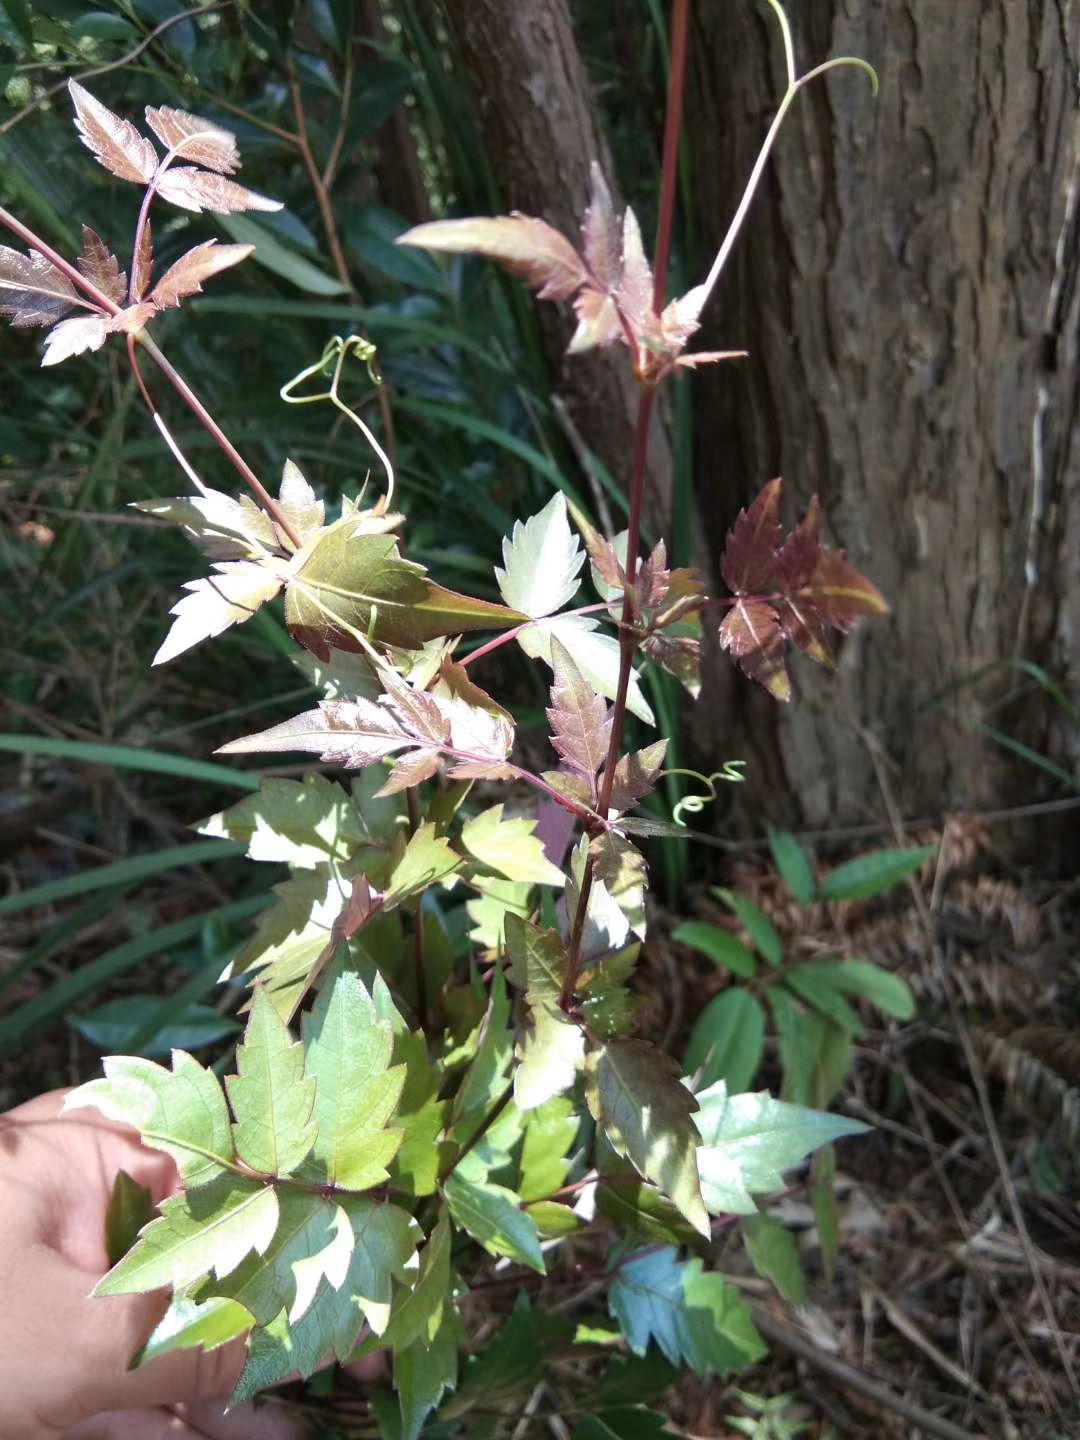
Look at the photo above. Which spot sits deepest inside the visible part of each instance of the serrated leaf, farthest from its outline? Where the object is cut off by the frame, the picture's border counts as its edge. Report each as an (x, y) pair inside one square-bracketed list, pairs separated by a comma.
[(32, 290), (751, 634), (200, 190), (527, 247), (636, 775), (114, 142), (838, 593), (748, 1141), (595, 655), (728, 1040), (233, 594), (749, 558), (201, 141), (313, 1239), (640, 1210), (887, 992), (774, 1255), (580, 722), (510, 1366), (182, 1112), (550, 1052), (620, 867), (486, 1078), (722, 948), (186, 276), (635, 289), (547, 1149), (509, 847), (542, 560), (601, 234), (225, 528), (426, 861), (209, 1229), (488, 911), (695, 1317), (632, 1379), (302, 823), (794, 867), (537, 960), (345, 583), (302, 507), (130, 1207), (271, 1099), (189, 1324), (101, 267), (492, 1216), (422, 1375), (418, 1312), (634, 1092), (75, 337), (761, 930), (871, 874), (348, 1050)]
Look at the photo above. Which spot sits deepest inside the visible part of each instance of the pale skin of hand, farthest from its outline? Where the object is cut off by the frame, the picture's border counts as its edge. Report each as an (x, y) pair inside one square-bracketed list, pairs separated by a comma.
[(64, 1355)]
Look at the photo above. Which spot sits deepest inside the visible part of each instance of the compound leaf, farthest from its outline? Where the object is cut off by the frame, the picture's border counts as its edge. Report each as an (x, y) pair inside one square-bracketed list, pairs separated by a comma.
[(302, 823), (728, 1040), (509, 847), (32, 290), (201, 141), (114, 143)]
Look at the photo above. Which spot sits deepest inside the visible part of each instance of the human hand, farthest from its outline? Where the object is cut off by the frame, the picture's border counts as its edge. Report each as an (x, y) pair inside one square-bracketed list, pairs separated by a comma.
[(64, 1355)]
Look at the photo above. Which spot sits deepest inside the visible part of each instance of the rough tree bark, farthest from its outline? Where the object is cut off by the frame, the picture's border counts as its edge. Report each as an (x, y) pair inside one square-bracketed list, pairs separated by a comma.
[(542, 132), (908, 290)]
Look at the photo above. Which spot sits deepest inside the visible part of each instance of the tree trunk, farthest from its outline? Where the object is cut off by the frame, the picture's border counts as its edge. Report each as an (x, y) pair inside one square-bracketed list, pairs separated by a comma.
[(907, 288), (542, 133)]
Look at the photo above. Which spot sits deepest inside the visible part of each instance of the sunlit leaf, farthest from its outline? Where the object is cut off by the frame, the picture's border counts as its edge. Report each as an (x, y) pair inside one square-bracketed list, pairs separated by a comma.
[(201, 141), (596, 656), (302, 823), (542, 560), (114, 142), (527, 247), (236, 590), (189, 1324), (186, 276), (509, 847), (491, 1214), (200, 190), (550, 1052), (270, 1097), (727, 1041)]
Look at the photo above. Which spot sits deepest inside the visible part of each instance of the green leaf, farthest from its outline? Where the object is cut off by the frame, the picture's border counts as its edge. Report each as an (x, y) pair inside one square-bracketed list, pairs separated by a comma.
[(485, 1081), (542, 560), (641, 1210), (748, 1141), (422, 1375), (886, 992), (537, 959), (511, 1365), (301, 823), (492, 1215), (696, 1318), (189, 1323), (208, 1229), (426, 861), (348, 1055), (826, 1211), (280, 259), (19, 15), (550, 1052), (117, 1027), (129, 757), (871, 874), (553, 1220), (624, 1423), (550, 1132), (182, 1112), (418, 1313), (313, 1239), (595, 655), (271, 1099), (774, 1256), (488, 910), (344, 584), (634, 1092), (791, 860), (509, 847), (130, 1207), (620, 867), (421, 1115), (722, 948), (292, 935), (756, 923), (728, 1040), (632, 1379), (819, 984), (100, 25)]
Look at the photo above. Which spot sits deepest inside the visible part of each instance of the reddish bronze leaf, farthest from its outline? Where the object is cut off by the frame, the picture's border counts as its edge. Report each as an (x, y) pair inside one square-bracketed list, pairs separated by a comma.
[(527, 247), (636, 775), (804, 628), (200, 190), (751, 632), (32, 290), (114, 142), (410, 770), (749, 560), (101, 267), (187, 275), (142, 263), (600, 235), (580, 722), (598, 321), (840, 593), (799, 554), (679, 655), (635, 292), (196, 139)]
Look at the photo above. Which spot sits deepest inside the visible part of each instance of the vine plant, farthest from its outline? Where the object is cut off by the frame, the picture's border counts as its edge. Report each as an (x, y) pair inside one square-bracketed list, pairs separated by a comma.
[(341, 1191)]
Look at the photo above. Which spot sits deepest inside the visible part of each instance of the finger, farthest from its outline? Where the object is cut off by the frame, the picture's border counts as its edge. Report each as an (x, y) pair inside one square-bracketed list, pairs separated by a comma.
[(136, 1425), (269, 1421)]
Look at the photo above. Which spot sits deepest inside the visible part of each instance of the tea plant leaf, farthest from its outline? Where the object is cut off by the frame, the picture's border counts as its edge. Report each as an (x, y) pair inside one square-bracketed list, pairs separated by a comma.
[(101, 267), (201, 141), (186, 276), (208, 1229), (313, 1239), (348, 1048), (595, 655), (509, 847), (32, 290), (774, 1255), (728, 1040), (756, 923), (200, 190), (228, 597), (887, 992), (695, 1317), (871, 874), (270, 1097), (302, 823), (492, 1216), (751, 633), (580, 722), (114, 143), (636, 774), (189, 1323), (542, 560), (550, 1052), (794, 867), (634, 1093), (721, 947), (527, 247), (748, 1141), (182, 1112)]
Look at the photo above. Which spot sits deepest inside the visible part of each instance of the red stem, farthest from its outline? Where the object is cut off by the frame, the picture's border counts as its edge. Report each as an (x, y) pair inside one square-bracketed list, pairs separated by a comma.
[(512, 634), (34, 242), (669, 170)]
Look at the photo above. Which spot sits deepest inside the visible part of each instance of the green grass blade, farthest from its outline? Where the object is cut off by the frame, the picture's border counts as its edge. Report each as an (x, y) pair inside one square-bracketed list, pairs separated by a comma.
[(130, 757), (60, 933)]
